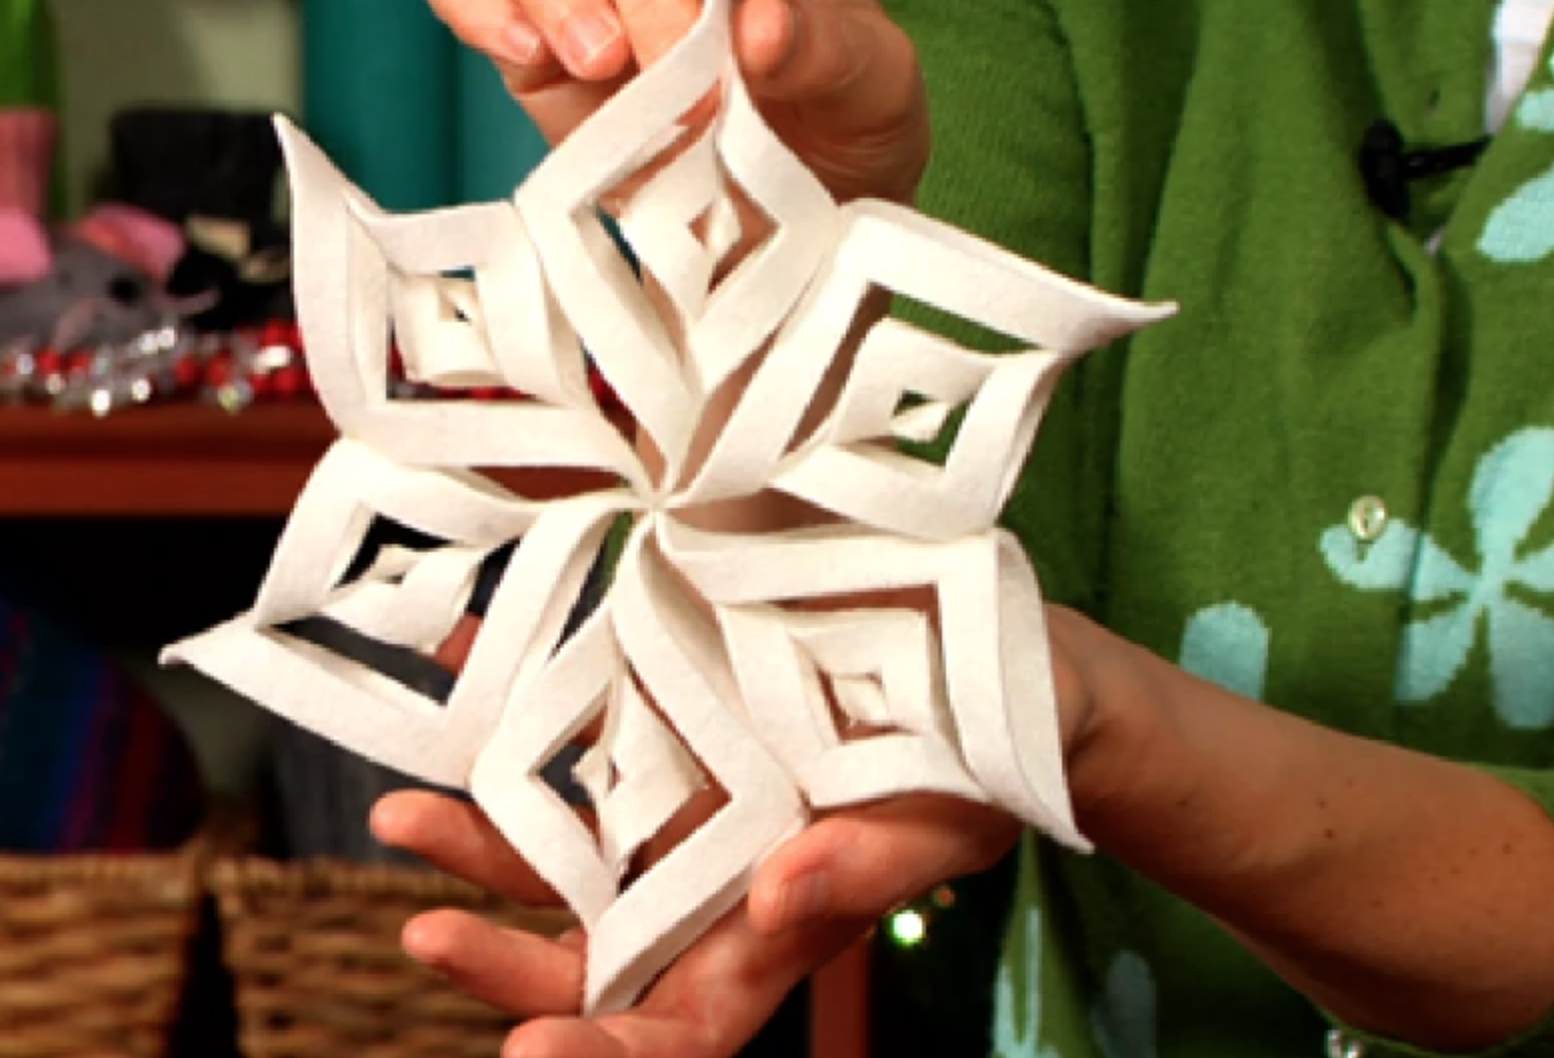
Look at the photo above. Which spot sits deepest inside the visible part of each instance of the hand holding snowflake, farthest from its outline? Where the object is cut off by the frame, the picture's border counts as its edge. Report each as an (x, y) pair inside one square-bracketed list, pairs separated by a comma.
[(740, 660)]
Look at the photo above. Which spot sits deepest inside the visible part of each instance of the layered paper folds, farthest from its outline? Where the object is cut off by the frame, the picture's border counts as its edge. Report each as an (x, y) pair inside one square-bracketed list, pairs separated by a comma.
[(890, 641)]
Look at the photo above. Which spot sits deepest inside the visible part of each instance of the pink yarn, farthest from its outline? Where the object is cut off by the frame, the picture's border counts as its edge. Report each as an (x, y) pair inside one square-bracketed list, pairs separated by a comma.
[(24, 248), (144, 240), (27, 138)]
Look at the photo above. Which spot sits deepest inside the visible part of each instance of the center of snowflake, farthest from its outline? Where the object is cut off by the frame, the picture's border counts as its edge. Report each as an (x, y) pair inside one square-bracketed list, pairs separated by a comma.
[(655, 506)]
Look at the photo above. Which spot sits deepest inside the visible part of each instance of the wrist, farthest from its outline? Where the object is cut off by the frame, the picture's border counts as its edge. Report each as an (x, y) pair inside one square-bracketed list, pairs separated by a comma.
[(1151, 786), (1187, 782), (1121, 728)]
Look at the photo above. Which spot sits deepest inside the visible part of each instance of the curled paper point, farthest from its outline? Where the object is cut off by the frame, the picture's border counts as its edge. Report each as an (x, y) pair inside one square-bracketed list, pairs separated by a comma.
[(704, 663)]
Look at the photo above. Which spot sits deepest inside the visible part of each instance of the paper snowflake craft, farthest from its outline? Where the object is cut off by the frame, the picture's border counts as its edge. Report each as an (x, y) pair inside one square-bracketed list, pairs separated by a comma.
[(776, 668)]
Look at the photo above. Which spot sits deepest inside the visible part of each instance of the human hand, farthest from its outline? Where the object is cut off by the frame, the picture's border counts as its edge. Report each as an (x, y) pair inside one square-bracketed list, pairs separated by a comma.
[(809, 900), (813, 897), (836, 79)]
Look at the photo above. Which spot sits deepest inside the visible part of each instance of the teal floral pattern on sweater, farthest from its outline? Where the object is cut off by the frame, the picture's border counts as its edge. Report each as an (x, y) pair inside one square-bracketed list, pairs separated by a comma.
[(1017, 1004), (1228, 644), (1521, 229), (1124, 1022), (1502, 598), (1123, 1018)]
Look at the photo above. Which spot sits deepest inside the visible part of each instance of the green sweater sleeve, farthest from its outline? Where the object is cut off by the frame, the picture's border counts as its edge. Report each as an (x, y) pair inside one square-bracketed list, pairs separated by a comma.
[(1012, 163)]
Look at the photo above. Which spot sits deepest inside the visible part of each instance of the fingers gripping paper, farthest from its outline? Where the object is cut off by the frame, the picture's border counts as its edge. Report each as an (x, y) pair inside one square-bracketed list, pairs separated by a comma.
[(770, 668)]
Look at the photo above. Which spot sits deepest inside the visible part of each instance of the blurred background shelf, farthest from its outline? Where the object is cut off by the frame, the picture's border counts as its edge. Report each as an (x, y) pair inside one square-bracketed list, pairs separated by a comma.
[(175, 460)]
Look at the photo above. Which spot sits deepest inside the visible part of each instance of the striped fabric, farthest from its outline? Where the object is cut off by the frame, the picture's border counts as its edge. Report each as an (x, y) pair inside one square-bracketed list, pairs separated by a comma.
[(88, 762)]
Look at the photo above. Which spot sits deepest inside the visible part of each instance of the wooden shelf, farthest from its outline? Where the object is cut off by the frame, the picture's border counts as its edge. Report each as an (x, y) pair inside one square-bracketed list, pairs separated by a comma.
[(174, 460)]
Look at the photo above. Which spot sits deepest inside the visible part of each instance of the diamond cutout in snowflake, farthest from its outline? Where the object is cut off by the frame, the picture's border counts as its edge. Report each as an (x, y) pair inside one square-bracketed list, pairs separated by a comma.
[(778, 669), (874, 669)]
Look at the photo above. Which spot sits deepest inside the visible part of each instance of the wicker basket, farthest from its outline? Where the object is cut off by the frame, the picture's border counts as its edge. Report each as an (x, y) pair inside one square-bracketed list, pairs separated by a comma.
[(94, 951), (314, 949)]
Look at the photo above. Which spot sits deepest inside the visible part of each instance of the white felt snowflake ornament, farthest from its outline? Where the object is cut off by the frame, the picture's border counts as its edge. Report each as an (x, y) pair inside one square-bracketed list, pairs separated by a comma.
[(781, 668)]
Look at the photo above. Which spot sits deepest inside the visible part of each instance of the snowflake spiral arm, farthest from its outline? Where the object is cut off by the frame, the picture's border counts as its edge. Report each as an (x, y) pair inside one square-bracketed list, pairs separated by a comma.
[(892, 642)]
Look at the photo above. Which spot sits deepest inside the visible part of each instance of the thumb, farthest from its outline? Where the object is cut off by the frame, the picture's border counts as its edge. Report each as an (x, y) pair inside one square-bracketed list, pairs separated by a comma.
[(654, 27), (860, 864)]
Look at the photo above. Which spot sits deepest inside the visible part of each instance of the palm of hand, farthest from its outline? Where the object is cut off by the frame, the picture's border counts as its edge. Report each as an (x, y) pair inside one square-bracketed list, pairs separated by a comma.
[(720, 992)]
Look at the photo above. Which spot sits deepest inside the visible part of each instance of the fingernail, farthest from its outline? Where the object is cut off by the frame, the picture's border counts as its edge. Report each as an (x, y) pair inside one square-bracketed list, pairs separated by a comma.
[(803, 900), (587, 34), (522, 43)]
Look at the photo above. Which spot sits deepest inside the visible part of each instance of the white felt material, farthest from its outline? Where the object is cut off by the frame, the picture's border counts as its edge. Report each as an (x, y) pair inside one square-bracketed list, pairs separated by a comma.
[(894, 645), (411, 600), (344, 275), (653, 776)]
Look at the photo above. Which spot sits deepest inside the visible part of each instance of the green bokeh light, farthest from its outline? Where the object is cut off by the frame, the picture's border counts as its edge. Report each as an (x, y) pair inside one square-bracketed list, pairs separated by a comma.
[(908, 928)]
